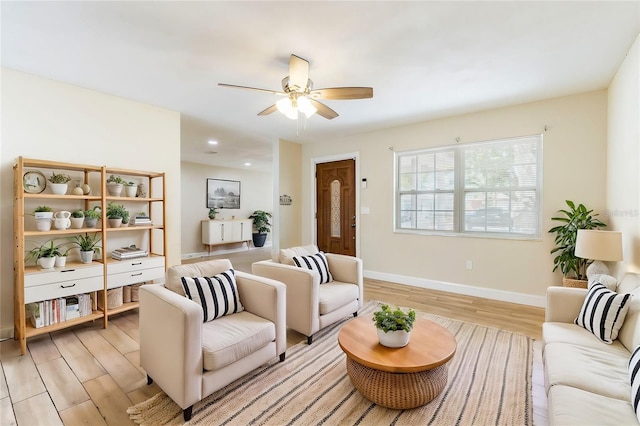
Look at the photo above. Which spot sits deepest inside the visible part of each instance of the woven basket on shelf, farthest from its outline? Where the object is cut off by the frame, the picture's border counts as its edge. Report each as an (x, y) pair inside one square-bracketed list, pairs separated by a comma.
[(114, 298), (134, 292), (126, 294)]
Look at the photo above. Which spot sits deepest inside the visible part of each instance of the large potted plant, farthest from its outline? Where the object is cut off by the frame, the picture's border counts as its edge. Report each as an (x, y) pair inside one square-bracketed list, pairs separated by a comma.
[(574, 269), (394, 326), (262, 225)]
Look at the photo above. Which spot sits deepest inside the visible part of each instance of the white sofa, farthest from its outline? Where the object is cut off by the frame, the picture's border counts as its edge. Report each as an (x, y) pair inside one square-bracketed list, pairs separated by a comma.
[(312, 306), (190, 359), (587, 380)]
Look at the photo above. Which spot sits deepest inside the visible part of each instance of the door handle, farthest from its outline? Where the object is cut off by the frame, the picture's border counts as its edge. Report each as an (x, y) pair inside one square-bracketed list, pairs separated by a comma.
[(353, 225)]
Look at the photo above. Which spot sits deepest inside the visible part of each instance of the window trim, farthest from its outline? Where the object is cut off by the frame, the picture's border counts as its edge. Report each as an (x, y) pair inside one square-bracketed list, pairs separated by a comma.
[(459, 191)]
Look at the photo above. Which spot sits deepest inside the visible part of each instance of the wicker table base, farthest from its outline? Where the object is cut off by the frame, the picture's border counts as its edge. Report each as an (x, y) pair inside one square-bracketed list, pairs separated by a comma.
[(397, 390)]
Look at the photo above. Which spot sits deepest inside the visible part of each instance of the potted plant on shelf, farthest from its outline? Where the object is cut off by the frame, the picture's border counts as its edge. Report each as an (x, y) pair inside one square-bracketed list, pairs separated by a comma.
[(394, 326), (115, 185), (59, 183), (91, 217), (574, 269), (116, 214), (44, 255), (44, 216), (77, 219), (261, 225), (130, 189), (87, 244)]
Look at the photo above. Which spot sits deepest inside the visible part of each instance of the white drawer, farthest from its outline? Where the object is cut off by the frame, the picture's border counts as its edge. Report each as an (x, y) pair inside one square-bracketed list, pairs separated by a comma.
[(135, 264), (62, 289), (134, 277), (62, 274)]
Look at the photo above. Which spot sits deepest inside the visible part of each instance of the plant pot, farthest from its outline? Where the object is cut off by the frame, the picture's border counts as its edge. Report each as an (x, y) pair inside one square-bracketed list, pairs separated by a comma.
[(59, 188), (115, 223), (77, 222), (47, 262), (91, 222), (43, 224), (61, 261), (43, 215), (131, 190), (114, 189), (86, 256), (259, 239), (571, 282), (393, 339)]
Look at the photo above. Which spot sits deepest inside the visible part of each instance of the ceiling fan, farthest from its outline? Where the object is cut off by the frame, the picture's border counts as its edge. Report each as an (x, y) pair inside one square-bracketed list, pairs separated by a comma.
[(300, 96)]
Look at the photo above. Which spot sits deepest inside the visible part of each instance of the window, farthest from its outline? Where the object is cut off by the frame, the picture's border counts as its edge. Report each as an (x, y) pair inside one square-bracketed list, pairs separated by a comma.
[(478, 188)]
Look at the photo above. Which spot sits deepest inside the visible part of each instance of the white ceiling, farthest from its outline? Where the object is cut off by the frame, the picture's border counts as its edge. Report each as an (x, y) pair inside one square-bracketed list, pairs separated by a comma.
[(423, 59)]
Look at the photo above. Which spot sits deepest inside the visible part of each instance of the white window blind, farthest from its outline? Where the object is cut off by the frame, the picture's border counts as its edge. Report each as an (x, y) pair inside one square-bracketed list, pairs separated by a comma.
[(484, 188)]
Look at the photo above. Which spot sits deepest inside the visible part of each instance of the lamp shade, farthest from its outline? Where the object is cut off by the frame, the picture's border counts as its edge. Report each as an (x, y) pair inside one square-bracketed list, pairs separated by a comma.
[(599, 245)]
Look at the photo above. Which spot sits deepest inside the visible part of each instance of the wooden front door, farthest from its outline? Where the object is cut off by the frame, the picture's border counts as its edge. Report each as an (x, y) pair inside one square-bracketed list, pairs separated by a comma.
[(336, 207)]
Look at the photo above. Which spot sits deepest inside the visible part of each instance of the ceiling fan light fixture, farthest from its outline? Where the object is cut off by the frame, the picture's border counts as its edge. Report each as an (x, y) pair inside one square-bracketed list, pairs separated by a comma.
[(286, 107), (305, 106)]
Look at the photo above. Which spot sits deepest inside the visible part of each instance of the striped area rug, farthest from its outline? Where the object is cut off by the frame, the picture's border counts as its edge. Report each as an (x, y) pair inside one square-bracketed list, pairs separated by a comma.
[(489, 383)]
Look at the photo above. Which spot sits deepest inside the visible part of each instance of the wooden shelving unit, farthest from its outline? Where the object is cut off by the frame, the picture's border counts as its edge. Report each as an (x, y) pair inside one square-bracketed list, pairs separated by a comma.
[(74, 273)]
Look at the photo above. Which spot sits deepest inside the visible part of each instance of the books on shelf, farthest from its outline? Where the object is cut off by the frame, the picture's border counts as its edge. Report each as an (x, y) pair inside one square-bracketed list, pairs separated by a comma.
[(53, 311), (141, 221), (130, 252)]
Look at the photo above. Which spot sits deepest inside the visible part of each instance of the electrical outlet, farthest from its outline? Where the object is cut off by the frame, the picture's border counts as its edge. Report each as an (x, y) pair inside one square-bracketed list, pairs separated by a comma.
[(469, 264)]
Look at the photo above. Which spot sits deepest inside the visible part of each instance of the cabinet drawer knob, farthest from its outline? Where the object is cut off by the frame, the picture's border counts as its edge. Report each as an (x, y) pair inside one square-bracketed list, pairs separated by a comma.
[(134, 264), (67, 270), (135, 275), (68, 286)]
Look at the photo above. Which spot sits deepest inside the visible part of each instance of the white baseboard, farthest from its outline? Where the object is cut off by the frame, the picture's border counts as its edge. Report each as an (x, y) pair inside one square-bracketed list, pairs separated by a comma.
[(469, 290), (221, 250), (6, 333)]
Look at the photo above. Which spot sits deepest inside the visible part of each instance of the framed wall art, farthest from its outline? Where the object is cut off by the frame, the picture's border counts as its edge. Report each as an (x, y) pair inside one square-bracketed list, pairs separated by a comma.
[(223, 194)]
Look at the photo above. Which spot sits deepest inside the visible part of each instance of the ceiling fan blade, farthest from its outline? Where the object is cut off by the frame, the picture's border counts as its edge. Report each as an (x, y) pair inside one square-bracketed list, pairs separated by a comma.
[(233, 86), (341, 93), (298, 72), (324, 110), (269, 110)]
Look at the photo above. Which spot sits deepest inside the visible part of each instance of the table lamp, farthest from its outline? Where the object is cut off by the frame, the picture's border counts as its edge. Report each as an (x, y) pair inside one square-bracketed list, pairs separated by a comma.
[(598, 246)]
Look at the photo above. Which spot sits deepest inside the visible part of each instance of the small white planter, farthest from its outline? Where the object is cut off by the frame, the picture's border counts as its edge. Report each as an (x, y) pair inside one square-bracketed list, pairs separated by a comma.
[(61, 261), (393, 339), (131, 190), (115, 223), (77, 222), (114, 189), (59, 188), (43, 224), (86, 256), (47, 262)]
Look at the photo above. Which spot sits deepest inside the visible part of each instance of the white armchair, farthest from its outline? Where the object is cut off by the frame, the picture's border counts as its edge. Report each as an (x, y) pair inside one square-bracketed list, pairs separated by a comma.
[(312, 306), (189, 359)]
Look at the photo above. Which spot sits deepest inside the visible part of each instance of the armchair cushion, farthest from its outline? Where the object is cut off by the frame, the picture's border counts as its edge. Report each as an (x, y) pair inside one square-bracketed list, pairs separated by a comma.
[(218, 295), (316, 262), (603, 312), (234, 337), (335, 295), (286, 255)]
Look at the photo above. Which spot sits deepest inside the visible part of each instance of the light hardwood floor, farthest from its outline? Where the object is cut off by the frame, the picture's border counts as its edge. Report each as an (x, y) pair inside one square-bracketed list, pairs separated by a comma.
[(89, 375)]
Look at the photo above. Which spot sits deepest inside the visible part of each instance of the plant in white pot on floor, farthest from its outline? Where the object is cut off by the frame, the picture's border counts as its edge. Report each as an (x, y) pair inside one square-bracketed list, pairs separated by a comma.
[(59, 183), (394, 326)]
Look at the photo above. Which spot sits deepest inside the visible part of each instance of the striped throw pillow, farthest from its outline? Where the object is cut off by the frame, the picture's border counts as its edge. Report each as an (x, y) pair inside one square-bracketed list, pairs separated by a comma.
[(603, 312), (634, 377), (316, 262), (218, 295)]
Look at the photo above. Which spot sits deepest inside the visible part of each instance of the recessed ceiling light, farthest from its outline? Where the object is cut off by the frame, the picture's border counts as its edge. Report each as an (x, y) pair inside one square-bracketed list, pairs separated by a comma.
[(247, 164), (212, 142)]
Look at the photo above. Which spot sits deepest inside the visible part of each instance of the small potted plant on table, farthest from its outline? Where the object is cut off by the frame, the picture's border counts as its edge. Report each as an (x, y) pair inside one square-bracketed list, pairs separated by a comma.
[(394, 326)]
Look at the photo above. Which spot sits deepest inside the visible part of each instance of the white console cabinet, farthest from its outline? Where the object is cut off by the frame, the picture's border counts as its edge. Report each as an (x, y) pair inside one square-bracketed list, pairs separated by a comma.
[(216, 232)]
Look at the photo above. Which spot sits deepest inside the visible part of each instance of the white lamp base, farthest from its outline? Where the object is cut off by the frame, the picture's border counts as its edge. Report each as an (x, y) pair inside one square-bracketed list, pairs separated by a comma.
[(596, 267)]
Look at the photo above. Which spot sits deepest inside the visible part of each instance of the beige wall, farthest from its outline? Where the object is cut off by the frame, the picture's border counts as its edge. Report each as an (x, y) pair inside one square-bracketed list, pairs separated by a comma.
[(574, 168), (290, 183), (623, 157), (256, 192), (45, 119)]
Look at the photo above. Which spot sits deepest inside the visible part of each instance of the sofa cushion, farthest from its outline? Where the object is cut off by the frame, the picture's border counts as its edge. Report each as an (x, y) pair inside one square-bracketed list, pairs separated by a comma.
[(218, 295), (634, 380), (233, 337), (603, 312), (287, 255), (575, 407), (316, 262), (207, 268), (335, 295), (562, 332), (601, 371)]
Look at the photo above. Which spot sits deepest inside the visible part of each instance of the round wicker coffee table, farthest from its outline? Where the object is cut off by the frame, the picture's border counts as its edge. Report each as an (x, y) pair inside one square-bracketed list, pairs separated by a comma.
[(400, 378)]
